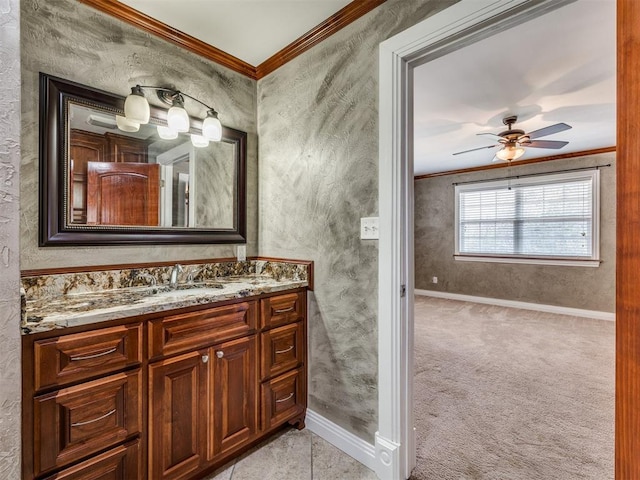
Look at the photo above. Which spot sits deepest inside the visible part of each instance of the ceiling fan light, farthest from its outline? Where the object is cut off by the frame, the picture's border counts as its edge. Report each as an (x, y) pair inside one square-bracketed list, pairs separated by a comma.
[(136, 107), (510, 152)]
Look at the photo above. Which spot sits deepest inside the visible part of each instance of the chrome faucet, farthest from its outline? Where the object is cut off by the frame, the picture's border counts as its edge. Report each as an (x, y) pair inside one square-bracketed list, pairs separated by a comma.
[(173, 281)]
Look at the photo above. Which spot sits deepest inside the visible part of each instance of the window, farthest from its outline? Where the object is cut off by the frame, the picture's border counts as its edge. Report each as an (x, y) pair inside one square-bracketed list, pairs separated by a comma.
[(548, 219)]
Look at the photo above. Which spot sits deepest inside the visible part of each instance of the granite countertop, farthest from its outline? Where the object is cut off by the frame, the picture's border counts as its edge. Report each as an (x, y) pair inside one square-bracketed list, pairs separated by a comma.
[(69, 309)]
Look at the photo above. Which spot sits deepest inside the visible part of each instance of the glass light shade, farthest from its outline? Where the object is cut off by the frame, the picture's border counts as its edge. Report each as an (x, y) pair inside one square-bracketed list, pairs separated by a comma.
[(166, 133), (510, 152), (136, 107), (127, 125), (212, 128), (199, 141), (178, 119)]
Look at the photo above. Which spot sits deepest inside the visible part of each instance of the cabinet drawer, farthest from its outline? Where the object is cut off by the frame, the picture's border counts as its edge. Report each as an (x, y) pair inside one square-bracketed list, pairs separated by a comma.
[(120, 463), (74, 422), (282, 349), (194, 330), (71, 358), (282, 309), (283, 398)]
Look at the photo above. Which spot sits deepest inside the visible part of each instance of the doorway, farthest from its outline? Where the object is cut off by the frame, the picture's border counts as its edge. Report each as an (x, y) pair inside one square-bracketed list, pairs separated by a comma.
[(461, 24)]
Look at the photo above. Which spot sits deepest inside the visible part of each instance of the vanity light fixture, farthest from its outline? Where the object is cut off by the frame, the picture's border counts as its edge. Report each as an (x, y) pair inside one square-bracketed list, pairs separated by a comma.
[(199, 141), (166, 133), (127, 125), (177, 116), (137, 110)]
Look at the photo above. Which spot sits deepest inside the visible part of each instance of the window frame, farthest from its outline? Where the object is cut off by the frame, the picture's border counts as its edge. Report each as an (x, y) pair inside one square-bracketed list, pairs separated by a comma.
[(535, 179)]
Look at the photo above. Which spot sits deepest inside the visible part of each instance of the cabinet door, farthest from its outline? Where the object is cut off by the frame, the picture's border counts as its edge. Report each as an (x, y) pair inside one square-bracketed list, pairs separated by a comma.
[(127, 149), (178, 393), (234, 400), (84, 147), (123, 193)]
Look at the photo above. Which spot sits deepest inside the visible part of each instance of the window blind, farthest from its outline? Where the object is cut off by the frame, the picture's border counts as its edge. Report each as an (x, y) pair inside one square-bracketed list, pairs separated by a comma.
[(548, 216)]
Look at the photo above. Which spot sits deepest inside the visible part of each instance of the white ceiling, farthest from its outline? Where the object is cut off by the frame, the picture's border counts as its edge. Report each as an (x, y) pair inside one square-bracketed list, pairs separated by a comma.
[(251, 30), (556, 68), (559, 67)]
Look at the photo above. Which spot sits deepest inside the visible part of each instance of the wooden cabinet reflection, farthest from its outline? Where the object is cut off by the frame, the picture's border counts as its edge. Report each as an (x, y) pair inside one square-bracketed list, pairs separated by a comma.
[(112, 184), (122, 193)]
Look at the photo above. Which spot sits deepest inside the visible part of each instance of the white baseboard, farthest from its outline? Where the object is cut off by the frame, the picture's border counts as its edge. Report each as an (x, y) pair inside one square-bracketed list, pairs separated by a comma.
[(346, 441), (578, 312)]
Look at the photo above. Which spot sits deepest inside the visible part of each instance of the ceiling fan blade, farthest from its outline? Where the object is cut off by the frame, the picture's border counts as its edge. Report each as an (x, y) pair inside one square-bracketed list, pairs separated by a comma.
[(474, 149), (546, 144), (550, 130)]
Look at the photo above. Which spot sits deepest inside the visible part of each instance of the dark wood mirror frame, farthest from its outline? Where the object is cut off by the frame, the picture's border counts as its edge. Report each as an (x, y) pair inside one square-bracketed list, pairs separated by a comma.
[(54, 95)]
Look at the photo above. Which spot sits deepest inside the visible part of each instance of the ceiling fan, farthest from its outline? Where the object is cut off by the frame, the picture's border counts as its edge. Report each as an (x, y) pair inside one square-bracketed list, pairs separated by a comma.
[(514, 141)]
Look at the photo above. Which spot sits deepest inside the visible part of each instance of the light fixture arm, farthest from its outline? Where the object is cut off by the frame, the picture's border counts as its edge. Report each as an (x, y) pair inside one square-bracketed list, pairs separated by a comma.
[(168, 94), (137, 111)]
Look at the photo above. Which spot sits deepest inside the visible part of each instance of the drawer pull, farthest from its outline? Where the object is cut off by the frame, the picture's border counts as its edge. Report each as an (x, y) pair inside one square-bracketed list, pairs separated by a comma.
[(284, 310), (79, 424), (219, 354), (88, 357), (205, 358), (278, 352), (285, 398)]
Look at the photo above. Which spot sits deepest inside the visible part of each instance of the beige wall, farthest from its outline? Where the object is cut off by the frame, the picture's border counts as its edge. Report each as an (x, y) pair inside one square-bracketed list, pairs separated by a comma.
[(318, 126), (70, 40), (577, 287)]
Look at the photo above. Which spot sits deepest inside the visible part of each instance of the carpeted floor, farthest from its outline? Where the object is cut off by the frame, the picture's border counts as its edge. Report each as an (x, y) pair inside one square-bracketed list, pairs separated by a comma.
[(510, 394)]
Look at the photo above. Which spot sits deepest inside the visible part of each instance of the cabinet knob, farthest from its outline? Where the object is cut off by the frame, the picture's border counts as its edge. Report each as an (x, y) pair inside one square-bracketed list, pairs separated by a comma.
[(219, 354), (205, 358)]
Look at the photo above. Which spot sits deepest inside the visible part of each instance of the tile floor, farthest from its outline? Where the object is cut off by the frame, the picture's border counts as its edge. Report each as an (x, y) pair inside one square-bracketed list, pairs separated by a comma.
[(294, 455)]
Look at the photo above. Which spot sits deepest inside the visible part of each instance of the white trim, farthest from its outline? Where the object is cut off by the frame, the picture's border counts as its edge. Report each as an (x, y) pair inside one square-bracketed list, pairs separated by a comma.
[(351, 444), (461, 24), (529, 260), (577, 312)]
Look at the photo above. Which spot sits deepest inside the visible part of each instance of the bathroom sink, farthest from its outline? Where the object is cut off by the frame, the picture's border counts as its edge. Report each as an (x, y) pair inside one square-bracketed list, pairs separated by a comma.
[(204, 284)]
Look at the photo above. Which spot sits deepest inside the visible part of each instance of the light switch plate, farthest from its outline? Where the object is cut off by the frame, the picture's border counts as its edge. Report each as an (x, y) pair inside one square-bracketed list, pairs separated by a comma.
[(369, 228), (241, 253)]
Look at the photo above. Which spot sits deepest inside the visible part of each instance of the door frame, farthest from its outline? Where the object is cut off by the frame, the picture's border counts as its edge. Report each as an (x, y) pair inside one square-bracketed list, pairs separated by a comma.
[(461, 24)]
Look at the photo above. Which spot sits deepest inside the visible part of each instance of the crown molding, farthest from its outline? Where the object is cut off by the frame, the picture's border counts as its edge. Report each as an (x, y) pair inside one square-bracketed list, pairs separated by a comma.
[(138, 19), (582, 153), (331, 25)]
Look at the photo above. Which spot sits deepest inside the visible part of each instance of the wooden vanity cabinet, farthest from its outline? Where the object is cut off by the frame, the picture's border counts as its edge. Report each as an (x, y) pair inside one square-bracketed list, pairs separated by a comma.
[(83, 395), (168, 397), (178, 395), (201, 404)]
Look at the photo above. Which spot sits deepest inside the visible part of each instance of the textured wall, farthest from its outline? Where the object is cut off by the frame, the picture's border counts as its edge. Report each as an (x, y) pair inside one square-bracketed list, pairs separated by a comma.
[(318, 118), (73, 41), (10, 389), (578, 287), (215, 172)]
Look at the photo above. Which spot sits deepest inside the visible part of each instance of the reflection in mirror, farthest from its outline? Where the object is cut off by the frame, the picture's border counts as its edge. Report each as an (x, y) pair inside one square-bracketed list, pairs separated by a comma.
[(105, 180), (139, 179)]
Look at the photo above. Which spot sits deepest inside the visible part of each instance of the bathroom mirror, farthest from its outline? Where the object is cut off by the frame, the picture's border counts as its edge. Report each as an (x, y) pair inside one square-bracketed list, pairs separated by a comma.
[(103, 185)]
